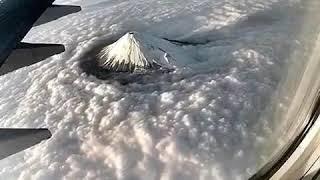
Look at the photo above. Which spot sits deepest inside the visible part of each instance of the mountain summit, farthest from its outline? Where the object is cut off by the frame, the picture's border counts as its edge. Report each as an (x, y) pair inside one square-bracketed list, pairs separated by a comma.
[(135, 51)]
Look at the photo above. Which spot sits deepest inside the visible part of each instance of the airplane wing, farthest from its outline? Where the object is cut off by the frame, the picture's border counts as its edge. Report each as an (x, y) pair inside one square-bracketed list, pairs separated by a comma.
[(15, 140), (17, 17), (56, 11), (26, 54)]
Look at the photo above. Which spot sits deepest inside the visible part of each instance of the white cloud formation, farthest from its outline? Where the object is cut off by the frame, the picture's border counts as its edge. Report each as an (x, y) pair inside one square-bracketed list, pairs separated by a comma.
[(181, 125)]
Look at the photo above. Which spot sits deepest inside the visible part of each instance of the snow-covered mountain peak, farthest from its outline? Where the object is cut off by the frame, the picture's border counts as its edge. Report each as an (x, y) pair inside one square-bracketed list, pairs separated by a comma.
[(137, 51)]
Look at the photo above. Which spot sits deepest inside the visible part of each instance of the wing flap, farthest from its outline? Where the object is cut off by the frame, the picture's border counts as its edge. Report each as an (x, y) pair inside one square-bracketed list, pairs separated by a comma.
[(55, 12), (16, 140), (27, 54)]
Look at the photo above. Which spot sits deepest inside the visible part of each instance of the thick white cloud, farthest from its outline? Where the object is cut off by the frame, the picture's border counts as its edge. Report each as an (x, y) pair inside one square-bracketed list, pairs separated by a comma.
[(195, 124)]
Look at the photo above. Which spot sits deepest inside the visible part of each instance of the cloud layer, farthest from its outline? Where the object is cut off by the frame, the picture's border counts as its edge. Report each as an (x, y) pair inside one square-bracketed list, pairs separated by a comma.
[(206, 123)]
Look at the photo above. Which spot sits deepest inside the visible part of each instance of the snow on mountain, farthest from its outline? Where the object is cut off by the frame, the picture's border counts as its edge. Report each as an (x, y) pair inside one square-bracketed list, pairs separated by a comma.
[(135, 51), (206, 122)]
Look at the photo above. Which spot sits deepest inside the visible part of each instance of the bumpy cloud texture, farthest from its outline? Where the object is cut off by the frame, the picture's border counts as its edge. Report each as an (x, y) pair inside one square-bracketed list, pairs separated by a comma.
[(206, 123)]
